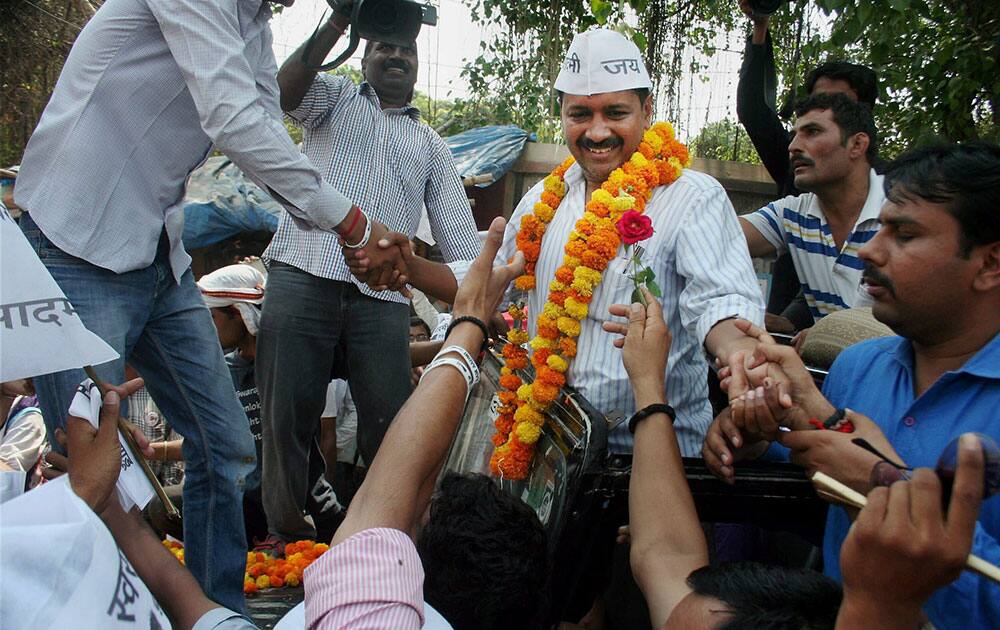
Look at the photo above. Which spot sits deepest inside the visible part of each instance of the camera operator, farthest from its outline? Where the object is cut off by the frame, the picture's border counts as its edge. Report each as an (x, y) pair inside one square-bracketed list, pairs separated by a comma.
[(369, 142)]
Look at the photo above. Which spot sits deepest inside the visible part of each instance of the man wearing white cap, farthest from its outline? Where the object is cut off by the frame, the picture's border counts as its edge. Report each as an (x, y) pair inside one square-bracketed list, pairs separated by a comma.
[(678, 223)]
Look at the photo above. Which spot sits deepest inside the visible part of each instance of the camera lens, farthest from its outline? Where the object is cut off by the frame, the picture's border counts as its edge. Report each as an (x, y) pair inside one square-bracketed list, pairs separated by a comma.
[(385, 16)]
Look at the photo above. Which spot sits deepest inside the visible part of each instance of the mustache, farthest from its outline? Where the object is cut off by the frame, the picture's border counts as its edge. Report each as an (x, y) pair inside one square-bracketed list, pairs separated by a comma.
[(800, 160), (871, 275), (610, 143), (396, 63)]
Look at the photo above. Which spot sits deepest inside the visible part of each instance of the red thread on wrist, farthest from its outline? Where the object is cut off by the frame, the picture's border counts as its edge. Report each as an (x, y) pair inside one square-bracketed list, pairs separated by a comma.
[(354, 222)]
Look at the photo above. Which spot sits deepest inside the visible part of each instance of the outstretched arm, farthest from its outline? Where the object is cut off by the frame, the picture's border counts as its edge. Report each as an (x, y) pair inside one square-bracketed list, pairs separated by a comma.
[(667, 539), (395, 491)]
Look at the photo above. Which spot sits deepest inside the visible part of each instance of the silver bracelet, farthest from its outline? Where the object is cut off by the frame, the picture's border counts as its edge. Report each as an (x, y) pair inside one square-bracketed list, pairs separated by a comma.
[(364, 239), (469, 361)]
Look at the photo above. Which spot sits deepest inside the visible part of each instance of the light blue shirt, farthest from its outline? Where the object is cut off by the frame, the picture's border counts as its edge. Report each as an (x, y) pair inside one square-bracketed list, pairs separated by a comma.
[(147, 90), (876, 378)]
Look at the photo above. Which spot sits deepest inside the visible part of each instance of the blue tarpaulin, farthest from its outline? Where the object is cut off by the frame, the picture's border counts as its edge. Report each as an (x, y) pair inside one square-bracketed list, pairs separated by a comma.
[(222, 202)]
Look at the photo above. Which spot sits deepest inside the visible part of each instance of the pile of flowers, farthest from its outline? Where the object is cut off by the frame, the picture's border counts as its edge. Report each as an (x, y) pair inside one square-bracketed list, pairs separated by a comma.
[(612, 216), (264, 571)]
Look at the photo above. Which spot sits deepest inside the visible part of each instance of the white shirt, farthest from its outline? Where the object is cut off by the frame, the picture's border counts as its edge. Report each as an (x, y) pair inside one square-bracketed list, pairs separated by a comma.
[(147, 89), (702, 265), (830, 278)]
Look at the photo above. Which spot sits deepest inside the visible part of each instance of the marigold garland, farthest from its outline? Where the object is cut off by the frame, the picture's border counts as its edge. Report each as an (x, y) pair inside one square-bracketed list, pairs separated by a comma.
[(592, 244)]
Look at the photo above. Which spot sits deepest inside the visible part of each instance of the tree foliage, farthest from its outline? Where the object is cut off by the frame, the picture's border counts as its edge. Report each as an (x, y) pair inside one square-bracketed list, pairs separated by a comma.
[(724, 140), (938, 60)]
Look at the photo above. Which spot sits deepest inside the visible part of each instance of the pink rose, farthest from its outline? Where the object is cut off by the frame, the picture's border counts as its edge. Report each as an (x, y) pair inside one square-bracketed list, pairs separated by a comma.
[(634, 227)]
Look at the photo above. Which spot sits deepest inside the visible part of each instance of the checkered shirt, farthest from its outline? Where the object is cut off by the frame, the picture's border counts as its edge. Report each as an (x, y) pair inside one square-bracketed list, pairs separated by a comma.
[(389, 163)]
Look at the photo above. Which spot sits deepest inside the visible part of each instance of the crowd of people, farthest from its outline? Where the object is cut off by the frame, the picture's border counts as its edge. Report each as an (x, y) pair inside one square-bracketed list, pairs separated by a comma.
[(260, 391)]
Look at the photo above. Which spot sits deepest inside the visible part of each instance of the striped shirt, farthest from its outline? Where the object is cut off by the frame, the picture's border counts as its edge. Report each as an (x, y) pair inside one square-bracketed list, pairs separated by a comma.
[(146, 91), (702, 265), (374, 579), (830, 278), (389, 163)]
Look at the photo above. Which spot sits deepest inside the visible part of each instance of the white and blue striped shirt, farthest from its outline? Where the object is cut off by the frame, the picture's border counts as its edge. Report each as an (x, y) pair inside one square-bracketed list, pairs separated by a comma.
[(387, 162), (830, 278), (702, 265)]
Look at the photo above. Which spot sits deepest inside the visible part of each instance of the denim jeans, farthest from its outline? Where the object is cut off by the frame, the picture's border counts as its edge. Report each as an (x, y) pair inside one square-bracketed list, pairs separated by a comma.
[(163, 329), (308, 326)]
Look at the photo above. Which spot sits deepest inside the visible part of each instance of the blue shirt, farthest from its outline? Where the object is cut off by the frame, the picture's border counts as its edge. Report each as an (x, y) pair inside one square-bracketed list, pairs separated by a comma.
[(876, 378)]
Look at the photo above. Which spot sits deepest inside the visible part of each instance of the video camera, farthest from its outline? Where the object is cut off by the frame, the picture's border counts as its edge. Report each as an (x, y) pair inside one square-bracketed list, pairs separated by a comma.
[(395, 22), (764, 8)]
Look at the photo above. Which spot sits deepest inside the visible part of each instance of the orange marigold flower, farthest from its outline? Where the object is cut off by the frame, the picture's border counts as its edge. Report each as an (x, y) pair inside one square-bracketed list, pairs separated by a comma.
[(567, 347), (575, 248), (557, 297), (540, 356), (518, 363), (525, 283), (564, 275), (544, 393), (594, 260), (510, 382)]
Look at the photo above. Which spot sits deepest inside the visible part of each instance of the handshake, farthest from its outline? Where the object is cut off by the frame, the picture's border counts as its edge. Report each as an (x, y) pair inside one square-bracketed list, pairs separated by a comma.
[(381, 259)]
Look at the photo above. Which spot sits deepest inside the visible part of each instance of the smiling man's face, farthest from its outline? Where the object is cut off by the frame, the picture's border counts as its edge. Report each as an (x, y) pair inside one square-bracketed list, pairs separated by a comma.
[(604, 130), (391, 70)]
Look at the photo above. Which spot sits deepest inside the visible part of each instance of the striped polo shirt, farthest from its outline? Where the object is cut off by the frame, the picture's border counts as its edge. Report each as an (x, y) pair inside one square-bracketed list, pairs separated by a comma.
[(830, 278)]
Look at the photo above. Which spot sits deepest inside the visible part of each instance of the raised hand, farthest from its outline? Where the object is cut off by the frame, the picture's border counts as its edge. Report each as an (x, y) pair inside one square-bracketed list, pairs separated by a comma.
[(645, 344), (95, 454), (484, 285), (903, 546)]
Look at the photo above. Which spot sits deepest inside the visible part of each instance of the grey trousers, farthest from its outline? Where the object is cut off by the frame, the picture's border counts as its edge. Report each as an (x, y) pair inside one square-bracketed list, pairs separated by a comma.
[(309, 326)]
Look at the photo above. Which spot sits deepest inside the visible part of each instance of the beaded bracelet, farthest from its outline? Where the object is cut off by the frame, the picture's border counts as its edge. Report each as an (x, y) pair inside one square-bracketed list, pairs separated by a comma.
[(649, 410), (474, 320)]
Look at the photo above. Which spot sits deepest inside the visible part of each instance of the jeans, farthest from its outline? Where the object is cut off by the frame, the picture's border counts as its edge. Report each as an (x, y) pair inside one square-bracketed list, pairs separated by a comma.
[(163, 329), (308, 326)]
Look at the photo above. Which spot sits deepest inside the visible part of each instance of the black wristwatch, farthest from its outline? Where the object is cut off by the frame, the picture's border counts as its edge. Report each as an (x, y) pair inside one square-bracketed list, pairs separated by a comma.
[(645, 412)]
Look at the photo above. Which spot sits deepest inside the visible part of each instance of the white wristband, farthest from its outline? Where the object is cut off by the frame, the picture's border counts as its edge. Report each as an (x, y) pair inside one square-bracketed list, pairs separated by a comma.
[(367, 235), (469, 361), (458, 365)]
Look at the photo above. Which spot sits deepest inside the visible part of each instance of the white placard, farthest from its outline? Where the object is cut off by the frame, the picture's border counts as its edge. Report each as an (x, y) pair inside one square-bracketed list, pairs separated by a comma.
[(40, 332), (133, 487), (62, 568)]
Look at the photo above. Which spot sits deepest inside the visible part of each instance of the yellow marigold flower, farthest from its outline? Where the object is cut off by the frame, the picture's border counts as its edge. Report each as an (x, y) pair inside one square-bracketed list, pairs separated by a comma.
[(570, 261), (583, 288), (528, 414), (524, 392), (555, 285), (569, 326), (557, 363), (528, 433), (664, 129), (504, 371), (587, 274), (263, 582), (552, 310), (622, 204), (544, 212), (575, 309), (602, 196), (517, 336), (541, 342), (554, 185), (654, 140), (639, 160)]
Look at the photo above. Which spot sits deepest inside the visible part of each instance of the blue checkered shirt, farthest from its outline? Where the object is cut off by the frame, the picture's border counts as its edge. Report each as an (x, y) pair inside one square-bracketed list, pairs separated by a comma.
[(389, 163)]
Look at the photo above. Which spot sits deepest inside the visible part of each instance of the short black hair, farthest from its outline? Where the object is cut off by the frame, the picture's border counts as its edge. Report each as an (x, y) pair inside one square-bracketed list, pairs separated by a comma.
[(768, 597), (485, 556), (416, 321), (964, 177), (851, 116), (862, 79)]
